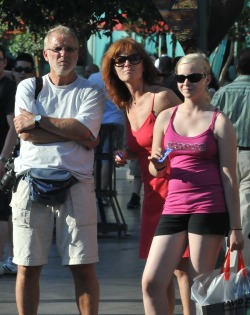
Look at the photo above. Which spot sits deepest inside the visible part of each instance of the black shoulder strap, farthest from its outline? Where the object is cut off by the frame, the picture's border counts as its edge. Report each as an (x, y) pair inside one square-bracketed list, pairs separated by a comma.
[(39, 86)]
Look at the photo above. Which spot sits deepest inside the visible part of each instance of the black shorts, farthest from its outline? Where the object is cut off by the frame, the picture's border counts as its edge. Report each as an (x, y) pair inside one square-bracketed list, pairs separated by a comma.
[(5, 209), (197, 223)]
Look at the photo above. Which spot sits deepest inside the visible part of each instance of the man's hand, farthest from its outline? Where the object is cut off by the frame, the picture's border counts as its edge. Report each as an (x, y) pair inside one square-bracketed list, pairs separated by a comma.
[(24, 121)]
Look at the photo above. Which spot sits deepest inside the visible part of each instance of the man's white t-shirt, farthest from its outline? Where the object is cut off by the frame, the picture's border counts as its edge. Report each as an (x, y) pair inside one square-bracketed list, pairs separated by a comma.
[(81, 100)]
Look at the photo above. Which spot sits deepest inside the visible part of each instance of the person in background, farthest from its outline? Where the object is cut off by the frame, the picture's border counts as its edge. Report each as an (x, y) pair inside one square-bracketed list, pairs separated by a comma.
[(23, 69), (111, 115), (234, 100), (202, 205), (8, 137), (169, 80), (135, 200), (153, 58), (59, 130), (8, 69), (89, 69), (129, 76), (164, 63), (213, 85)]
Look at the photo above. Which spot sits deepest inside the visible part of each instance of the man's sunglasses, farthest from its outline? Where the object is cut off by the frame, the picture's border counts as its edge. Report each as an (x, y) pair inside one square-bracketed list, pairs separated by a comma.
[(25, 69), (133, 59), (193, 78), (58, 49)]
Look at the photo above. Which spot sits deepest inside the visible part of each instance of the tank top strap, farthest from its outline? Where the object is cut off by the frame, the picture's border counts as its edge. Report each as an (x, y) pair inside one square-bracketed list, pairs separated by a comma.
[(153, 103), (215, 114), (173, 113)]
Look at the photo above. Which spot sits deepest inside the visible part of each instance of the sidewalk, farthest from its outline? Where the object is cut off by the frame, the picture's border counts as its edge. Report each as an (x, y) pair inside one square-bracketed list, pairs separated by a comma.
[(119, 272)]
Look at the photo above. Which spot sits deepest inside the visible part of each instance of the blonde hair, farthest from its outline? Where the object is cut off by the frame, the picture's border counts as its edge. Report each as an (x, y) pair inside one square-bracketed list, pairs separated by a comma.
[(195, 57)]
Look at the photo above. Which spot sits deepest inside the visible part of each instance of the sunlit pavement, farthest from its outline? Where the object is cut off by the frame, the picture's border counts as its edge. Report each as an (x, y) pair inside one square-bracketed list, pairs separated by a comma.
[(119, 271)]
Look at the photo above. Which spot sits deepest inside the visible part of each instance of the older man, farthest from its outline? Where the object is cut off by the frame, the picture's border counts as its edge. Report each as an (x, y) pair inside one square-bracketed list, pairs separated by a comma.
[(58, 132)]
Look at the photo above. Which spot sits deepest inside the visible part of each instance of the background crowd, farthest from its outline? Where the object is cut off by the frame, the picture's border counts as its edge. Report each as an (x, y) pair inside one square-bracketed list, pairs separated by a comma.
[(148, 101)]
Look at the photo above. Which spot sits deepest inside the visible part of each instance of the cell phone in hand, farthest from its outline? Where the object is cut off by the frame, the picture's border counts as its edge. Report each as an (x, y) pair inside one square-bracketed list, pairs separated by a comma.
[(119, 154), (165, 154)]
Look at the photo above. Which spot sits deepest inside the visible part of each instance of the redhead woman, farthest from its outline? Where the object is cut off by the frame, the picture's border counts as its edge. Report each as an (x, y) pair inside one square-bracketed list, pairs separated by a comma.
[(130, 78), (202, 205)]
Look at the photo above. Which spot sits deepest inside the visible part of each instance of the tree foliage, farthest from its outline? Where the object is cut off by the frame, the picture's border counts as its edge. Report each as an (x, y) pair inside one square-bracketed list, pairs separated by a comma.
[(29, 20), (241, 28), (85, 17)]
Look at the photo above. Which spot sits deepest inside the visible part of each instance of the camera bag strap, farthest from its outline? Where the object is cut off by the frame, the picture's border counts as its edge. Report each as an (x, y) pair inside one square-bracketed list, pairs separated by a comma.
[(38, 88)]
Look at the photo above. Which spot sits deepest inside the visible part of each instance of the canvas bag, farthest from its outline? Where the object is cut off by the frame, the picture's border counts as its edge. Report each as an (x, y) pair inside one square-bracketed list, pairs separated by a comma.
[(222, 291)]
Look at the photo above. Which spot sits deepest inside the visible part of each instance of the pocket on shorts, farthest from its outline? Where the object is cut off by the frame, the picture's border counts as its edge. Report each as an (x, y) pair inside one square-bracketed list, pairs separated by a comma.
[(83, 199), (21, 205)]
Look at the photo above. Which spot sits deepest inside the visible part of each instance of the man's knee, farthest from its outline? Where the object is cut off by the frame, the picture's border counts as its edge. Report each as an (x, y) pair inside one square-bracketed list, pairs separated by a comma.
[(32, 272), (84, 272)]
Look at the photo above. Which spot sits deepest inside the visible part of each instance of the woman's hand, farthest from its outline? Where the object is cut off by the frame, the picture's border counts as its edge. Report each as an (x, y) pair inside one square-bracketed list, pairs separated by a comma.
[(235, 240), (155, 157), (120, 158)]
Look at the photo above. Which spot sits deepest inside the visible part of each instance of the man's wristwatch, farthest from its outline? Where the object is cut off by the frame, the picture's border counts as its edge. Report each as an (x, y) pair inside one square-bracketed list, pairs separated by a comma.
[(37, 120)]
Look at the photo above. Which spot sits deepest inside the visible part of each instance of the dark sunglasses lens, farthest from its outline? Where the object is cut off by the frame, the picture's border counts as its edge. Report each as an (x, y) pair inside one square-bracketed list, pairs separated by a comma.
[(134, 59), (193, 78), (21, 69), (120, 61), (180, 78)]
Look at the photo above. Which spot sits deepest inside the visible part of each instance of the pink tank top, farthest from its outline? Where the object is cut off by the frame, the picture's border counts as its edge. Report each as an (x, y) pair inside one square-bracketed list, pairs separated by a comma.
[(195, 184)]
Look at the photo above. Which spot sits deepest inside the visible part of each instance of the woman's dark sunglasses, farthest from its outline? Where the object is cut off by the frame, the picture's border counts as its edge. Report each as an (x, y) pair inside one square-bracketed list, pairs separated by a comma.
[(25, 69), (134, 59), (193, 78)]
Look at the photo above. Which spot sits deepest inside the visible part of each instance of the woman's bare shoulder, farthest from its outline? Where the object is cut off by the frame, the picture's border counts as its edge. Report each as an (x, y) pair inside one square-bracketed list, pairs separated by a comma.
[(164, 98), (165, 114), (158, 89)]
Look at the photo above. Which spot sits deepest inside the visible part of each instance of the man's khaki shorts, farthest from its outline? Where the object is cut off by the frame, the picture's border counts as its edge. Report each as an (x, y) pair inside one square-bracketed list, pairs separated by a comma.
[(75, 223)]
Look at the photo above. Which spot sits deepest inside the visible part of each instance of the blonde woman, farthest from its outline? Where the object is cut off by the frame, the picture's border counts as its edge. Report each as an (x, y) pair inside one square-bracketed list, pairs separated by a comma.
[(202, 205)]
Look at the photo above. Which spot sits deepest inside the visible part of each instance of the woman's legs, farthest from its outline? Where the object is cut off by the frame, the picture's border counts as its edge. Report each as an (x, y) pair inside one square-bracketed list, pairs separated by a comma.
[(181, 273), (165, 254), (171, 297), (204, 251)]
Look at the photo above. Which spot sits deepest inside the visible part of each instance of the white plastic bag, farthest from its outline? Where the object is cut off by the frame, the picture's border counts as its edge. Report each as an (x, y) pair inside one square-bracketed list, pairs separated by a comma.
[(211, 288), (222, 291)]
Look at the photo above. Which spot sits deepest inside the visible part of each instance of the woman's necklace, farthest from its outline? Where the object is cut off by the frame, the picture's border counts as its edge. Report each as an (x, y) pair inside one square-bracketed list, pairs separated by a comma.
[(133, 99)]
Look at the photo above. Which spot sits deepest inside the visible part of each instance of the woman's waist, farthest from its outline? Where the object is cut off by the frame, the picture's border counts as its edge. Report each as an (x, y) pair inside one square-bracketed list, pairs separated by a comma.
[(189, 195), (195, 202)]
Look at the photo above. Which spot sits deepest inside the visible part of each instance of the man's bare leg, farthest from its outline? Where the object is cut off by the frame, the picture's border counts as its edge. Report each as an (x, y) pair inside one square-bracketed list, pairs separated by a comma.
[(28, 289), (86, 288)]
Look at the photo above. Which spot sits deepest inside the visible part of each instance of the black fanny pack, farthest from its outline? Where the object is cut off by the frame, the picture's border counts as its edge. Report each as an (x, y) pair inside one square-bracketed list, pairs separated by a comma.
[(49, 186)]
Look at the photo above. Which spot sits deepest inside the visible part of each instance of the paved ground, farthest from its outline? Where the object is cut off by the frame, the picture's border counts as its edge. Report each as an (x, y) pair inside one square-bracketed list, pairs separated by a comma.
[(119, 271)]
